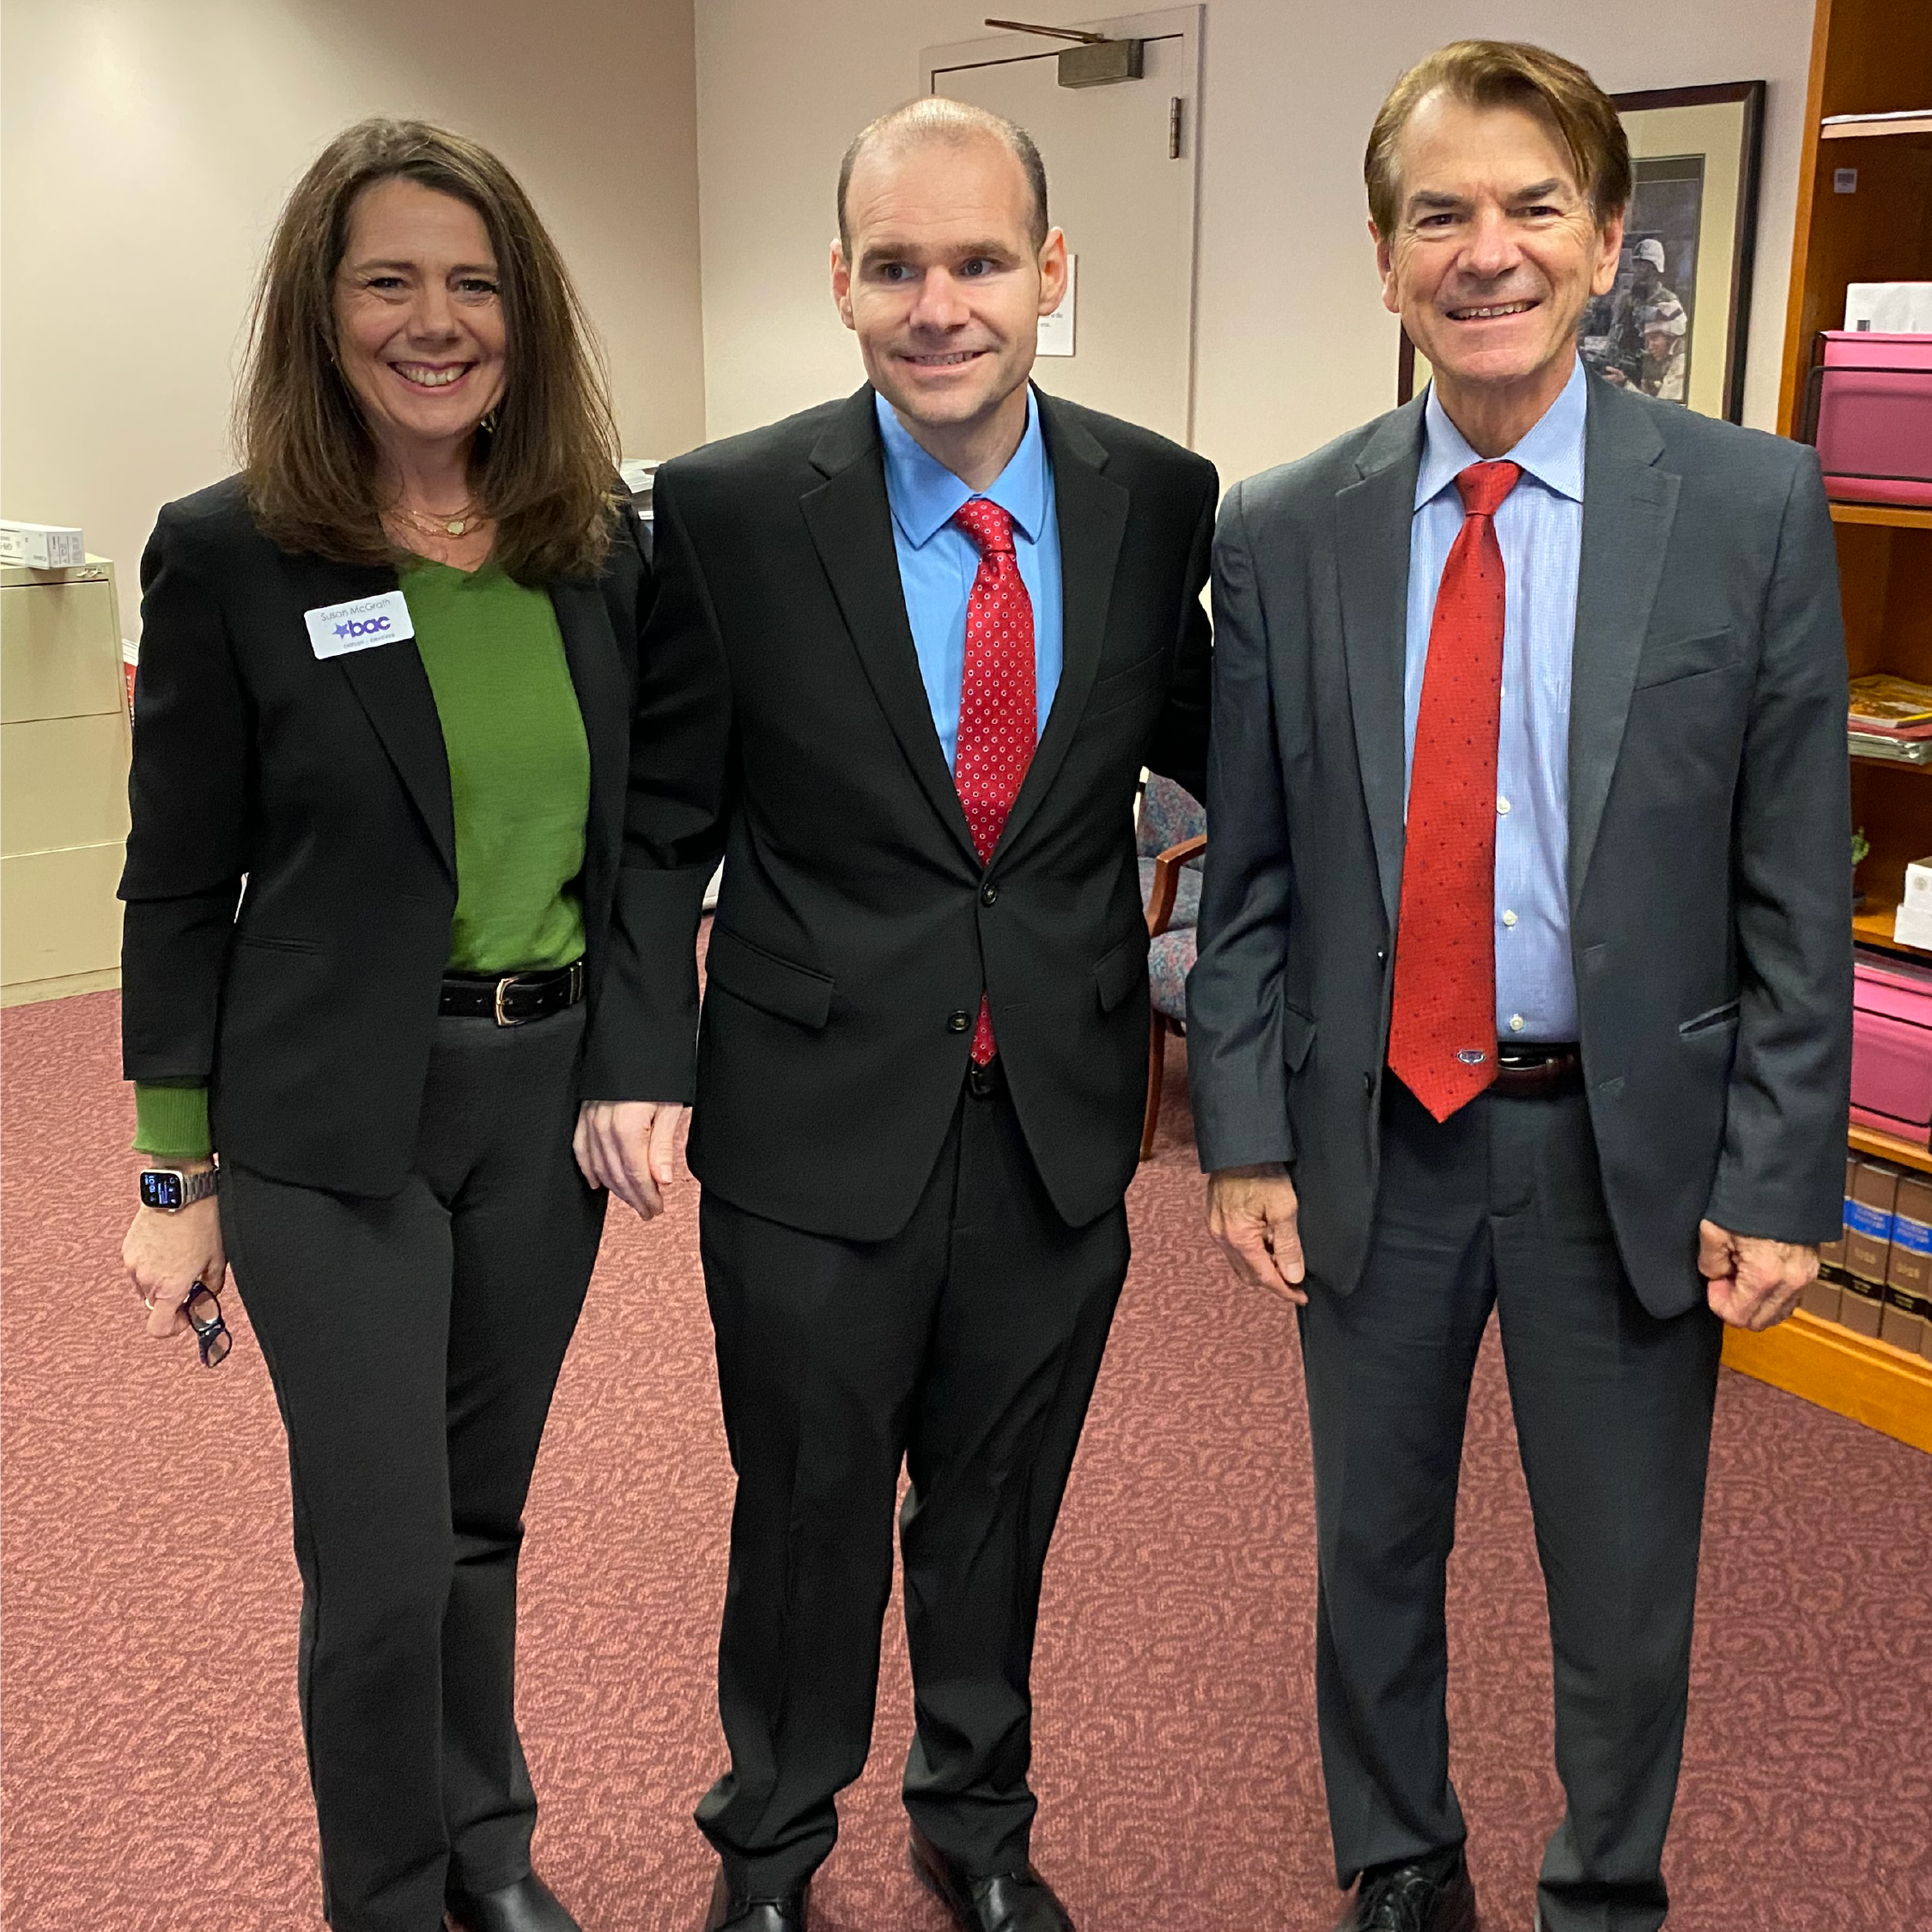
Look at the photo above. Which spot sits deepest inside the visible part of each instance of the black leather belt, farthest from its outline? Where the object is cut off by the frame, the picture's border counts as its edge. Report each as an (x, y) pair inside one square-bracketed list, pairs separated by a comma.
[(511, 998), (1538, 1070)]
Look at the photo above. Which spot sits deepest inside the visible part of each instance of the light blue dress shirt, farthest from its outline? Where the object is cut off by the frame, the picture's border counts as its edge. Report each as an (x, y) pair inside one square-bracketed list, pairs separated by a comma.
[(938, 560), (1539, 530)]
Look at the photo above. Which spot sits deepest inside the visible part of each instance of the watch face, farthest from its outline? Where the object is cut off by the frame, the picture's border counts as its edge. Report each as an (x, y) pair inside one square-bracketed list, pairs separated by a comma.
[(161, 1187)]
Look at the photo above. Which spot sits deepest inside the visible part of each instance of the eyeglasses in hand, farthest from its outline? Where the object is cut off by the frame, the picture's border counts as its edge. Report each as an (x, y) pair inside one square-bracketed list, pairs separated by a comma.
[(204, 1311)]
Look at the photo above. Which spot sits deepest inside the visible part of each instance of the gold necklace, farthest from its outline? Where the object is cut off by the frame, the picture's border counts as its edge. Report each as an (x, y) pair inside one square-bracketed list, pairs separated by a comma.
[(466, 519)]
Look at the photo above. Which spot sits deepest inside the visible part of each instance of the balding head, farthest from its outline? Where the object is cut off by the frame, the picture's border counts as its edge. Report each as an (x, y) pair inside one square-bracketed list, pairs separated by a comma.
[(935, 118)]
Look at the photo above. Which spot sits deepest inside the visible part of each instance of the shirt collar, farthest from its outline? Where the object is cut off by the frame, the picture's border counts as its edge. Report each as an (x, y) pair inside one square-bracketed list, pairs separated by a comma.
[(1552, 452), (925, 496)]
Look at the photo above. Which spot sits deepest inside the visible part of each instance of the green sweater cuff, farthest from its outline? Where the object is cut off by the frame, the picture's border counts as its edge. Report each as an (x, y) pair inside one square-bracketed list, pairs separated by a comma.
[(170, 1119)]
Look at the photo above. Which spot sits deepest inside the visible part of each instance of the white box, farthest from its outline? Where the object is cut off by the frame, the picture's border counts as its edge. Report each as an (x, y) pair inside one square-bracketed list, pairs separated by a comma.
[(1889, 308), (1913, 925), (41, 546)]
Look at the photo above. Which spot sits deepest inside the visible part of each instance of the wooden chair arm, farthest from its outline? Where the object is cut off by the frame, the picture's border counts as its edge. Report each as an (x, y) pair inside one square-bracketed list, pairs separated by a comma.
[(1167, 882)]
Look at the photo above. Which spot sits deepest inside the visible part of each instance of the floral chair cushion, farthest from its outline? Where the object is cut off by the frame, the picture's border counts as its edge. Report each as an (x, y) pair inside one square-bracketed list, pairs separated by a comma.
[(1169, 815), (1170, 959)]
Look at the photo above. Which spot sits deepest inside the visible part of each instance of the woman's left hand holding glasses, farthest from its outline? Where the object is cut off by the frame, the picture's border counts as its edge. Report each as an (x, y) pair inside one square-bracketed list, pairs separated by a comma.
[(167, 1256)]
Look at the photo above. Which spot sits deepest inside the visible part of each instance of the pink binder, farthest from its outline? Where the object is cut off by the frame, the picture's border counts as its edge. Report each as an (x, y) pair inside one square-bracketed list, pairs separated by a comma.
[(1892, 1047), (1871, 415)]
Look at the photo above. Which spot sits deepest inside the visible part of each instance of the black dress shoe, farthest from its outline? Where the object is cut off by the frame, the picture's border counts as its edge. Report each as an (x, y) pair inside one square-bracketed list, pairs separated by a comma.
[(529, 1905), (741, 1912), (1007, 1902), (1413, 1897)]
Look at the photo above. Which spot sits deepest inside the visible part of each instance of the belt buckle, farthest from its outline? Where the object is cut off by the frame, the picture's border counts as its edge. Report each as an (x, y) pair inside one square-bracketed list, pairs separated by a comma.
[(504, 1017)]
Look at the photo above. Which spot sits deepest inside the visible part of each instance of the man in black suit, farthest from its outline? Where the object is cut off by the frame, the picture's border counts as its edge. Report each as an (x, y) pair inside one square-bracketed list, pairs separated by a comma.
[(909, 654)]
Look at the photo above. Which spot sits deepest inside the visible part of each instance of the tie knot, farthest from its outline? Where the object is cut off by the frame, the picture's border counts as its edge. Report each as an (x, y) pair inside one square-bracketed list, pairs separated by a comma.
[(1484, 486), (988, 525)]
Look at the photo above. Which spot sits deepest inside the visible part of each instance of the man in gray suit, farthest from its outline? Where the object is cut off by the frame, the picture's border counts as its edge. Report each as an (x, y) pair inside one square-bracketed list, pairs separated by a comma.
[(1525, 969)]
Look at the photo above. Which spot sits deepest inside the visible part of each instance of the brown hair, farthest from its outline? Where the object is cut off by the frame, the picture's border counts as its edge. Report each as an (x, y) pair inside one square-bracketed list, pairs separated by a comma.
[(1507, 74), (937, 117), (544, 469)]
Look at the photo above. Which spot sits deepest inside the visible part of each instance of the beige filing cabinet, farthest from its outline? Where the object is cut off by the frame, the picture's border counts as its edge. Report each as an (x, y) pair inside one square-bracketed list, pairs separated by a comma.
[(63, 759)]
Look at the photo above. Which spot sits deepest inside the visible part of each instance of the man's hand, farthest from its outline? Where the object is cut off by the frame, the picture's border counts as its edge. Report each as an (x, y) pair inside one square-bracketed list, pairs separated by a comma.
[(629, 1147), (166, 1254), (1252, 1212), (1754, 1283)]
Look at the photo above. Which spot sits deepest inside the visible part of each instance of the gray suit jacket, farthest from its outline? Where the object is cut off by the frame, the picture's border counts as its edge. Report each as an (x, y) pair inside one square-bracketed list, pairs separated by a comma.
[(1710, 833)]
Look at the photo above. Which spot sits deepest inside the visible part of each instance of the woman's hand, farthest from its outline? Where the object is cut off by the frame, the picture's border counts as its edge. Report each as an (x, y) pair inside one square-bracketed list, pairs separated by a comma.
[(165, 1254), (629, 1147)]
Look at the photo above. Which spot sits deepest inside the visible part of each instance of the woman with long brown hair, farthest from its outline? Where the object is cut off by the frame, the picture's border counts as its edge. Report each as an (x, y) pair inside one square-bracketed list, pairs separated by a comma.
[(381, 745)]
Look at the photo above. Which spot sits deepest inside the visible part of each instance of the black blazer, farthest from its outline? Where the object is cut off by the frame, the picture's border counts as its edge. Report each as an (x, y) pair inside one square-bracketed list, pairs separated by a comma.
[(782, 720), (307, 997)]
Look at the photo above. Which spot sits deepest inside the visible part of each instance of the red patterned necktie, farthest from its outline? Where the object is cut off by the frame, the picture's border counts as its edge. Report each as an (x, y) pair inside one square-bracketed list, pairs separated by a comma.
[(1441, 1035), (999, 719)]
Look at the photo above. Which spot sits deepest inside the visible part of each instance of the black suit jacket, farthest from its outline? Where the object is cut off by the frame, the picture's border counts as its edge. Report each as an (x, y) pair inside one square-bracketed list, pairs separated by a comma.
[(308, 999), (782, 721), (1708, 867)]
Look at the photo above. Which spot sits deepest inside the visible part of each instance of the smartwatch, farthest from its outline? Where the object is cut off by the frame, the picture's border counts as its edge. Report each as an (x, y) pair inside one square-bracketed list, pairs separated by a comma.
[(171, 1190)]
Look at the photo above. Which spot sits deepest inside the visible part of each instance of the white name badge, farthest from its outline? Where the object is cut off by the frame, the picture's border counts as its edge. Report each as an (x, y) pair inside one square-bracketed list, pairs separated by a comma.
[(338, 629)]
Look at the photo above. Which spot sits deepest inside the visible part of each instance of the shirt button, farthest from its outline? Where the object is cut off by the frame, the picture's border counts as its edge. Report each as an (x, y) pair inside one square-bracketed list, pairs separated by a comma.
[(1502, 805), (957, 1022), (1517, 1023), (1509, 919), (988, 893)]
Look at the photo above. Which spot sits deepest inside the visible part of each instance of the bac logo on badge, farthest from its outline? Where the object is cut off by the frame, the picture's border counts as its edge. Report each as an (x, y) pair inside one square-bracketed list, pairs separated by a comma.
[(360, 626)]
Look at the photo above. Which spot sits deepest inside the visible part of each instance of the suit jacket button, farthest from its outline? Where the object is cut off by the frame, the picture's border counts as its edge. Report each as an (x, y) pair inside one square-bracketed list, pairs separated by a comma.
[(988, 893), (1369, 1083), (957, 1022)]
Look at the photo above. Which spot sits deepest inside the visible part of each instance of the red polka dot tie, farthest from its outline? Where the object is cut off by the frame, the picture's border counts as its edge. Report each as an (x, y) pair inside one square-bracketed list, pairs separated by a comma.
[(999, 718), (1442, 1034)]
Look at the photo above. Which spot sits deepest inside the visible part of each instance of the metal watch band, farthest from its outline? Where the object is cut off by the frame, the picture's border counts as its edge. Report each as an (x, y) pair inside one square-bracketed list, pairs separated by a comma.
[(194, 1186)]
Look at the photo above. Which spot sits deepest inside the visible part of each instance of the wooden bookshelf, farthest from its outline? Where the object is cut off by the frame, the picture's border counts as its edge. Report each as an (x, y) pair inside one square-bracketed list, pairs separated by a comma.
[(1869, 1381), (1868, 58)]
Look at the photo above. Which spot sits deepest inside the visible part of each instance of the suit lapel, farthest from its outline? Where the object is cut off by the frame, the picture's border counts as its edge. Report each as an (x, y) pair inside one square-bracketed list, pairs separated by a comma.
[(1628, 506), (1091, 510), (393, 689), (851, 524), (1372, 519)]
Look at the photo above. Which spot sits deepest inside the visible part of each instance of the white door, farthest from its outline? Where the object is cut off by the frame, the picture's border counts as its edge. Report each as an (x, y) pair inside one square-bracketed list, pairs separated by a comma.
[(1121, 175)]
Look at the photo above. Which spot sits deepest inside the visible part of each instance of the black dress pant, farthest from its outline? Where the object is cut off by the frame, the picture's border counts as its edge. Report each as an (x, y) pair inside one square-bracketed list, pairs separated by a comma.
[(1502, 1206), (414, 1344), (966, 1346)]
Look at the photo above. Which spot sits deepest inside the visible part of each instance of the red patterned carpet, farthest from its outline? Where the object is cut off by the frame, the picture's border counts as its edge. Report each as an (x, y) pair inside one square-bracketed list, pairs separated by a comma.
[(153, 1775)]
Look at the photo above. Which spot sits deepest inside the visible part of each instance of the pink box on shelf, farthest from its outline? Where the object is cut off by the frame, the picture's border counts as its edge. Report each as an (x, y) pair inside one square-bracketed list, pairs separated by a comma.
[(1871, 415), (1891, 1047)]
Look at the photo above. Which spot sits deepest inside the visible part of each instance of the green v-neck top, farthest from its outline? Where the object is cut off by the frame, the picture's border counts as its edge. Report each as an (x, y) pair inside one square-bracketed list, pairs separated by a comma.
[(520, 787)]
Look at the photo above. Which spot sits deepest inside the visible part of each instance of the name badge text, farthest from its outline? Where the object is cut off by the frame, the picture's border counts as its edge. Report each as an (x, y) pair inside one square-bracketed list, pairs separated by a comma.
[(337, 628)]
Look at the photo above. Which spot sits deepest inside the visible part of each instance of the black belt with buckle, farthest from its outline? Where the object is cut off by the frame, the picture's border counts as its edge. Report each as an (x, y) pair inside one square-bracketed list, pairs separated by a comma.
[(511, 998), (1537, 1071)]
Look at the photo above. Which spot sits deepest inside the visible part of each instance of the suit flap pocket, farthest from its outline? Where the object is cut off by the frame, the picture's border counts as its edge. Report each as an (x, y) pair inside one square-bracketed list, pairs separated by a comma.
[(1298, 1036), (1123, 968), (1687, 657), (1123, 686), (763, 979), (1725, 1015)]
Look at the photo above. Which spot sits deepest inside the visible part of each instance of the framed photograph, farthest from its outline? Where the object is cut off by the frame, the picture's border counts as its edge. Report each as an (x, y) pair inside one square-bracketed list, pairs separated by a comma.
[(1674, 324)]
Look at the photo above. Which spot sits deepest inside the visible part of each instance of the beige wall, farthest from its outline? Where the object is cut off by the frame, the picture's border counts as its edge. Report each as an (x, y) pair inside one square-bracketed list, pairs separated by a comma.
[(148, 145), (1292, 345)]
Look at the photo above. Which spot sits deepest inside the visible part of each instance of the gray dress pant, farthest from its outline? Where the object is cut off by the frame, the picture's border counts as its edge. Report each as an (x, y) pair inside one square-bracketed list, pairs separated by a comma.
[(966, 1346), (1502, 1206), (413, 1343)]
